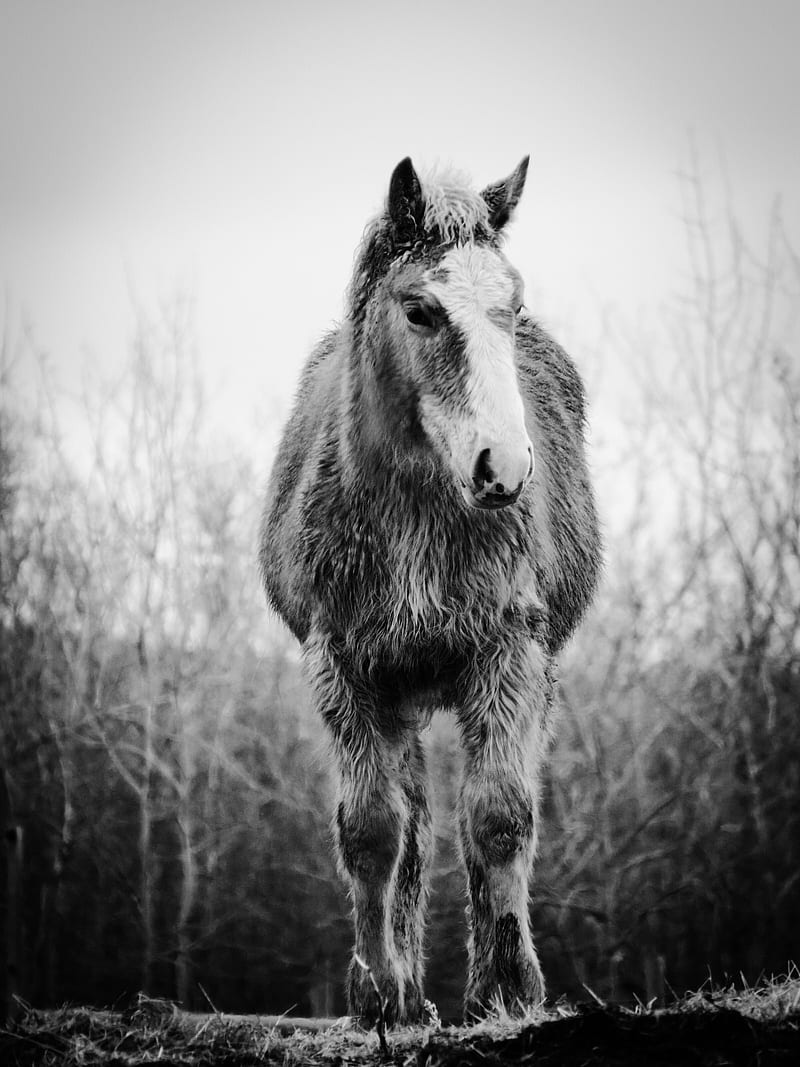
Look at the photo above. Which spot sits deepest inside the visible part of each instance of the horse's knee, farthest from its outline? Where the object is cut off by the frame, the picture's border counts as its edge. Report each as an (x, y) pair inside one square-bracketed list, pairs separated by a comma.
[(369, 838), (501, 825)]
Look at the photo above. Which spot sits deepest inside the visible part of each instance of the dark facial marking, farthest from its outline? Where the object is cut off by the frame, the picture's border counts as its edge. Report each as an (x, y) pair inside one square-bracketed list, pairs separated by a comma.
[(503, 318), (446, 364)]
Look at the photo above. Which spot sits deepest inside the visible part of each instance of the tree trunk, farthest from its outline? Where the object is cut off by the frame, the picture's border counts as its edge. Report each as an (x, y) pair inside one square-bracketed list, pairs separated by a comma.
[(146, 886), (188, 858), (10, 914), (45, 986), (188, 893)]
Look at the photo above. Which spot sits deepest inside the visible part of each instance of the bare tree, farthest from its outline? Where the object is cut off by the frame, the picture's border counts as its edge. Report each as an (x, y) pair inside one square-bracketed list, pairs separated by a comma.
[(679, 689)]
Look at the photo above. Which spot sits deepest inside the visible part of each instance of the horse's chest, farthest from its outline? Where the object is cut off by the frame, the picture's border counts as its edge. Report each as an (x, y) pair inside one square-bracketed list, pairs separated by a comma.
[(428, 585), (399, 577), (420, 585)]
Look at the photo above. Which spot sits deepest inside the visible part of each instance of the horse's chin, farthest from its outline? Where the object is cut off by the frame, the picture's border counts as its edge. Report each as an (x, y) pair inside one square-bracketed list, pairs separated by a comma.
[(489, 501)]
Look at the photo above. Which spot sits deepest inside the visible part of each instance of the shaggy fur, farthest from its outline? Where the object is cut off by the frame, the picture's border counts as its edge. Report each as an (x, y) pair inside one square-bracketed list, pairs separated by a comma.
[(406, 598)]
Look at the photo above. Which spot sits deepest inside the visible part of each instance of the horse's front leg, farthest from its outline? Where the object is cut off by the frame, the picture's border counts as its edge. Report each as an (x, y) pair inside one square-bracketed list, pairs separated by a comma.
[(502, 719), (370, 822), (370, 826), (410, 889)]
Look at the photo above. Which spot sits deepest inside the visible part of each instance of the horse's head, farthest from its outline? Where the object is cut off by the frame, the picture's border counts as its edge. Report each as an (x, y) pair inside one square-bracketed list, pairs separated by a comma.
[(438, 304)]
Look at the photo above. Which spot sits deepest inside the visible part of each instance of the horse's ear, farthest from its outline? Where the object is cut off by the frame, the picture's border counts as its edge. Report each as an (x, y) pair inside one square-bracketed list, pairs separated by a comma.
[(406, 203), (503, 196)]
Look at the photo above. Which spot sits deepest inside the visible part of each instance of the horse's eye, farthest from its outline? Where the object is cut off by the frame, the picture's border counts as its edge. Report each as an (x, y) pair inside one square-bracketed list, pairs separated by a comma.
[(417, 315)]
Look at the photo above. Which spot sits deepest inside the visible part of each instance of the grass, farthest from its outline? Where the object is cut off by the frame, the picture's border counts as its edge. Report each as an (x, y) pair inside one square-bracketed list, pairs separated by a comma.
[(737, 1026)]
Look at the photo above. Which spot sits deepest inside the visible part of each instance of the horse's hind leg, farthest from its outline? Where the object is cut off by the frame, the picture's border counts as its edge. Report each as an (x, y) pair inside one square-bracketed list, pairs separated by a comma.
[(502, 729), (410, 887)]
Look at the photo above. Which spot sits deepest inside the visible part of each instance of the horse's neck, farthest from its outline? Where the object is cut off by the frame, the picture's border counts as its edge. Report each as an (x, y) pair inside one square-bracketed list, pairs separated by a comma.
[(380, 434)]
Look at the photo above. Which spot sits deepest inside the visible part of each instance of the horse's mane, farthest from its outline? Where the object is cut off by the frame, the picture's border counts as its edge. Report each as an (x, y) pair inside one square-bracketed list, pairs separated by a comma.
[(455, 213)]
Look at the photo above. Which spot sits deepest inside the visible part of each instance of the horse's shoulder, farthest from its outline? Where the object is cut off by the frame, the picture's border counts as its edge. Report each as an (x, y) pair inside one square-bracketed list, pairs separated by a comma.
[(307, 434)]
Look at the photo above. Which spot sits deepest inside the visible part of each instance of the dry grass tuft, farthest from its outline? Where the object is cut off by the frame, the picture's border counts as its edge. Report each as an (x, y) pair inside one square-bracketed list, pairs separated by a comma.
[(772, 999), (733, 1026)]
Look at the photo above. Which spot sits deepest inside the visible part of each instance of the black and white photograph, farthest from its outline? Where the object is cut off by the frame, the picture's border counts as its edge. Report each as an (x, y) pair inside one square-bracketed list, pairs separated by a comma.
[(399, 533)]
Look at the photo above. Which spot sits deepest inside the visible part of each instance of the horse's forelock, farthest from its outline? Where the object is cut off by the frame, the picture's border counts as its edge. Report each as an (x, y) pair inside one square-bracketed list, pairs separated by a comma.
[(454, 211)]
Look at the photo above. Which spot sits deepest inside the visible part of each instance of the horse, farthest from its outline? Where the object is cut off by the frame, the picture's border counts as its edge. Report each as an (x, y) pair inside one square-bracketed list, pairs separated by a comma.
[(430, 537)]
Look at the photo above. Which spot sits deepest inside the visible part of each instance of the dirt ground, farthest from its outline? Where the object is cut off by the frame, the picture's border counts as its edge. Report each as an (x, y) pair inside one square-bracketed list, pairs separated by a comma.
[(757, 1027)]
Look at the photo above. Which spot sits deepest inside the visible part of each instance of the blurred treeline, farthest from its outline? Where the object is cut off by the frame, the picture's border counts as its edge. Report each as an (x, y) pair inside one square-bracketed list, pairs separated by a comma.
[(170, 780)]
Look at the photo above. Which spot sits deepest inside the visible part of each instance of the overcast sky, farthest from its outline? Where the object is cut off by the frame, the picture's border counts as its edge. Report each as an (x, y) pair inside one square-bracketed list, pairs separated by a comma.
[(235, 151)]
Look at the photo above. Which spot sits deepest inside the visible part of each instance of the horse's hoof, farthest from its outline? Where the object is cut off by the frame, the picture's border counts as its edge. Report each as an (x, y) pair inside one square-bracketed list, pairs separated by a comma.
[(372, 996), (515, 997), (413, 1004)]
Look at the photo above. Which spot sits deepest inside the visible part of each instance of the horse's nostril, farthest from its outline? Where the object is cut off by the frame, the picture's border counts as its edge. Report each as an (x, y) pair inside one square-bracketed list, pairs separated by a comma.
[(482, 472), (499, 487)]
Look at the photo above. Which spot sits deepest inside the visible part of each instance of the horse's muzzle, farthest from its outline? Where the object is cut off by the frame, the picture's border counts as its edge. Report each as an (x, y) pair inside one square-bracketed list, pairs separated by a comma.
[(489, 501), (487, 489)]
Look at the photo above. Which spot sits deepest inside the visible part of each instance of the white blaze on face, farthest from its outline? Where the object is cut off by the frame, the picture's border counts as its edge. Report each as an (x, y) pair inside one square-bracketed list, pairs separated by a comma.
[(476, 289)]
